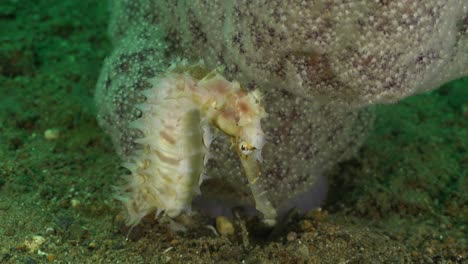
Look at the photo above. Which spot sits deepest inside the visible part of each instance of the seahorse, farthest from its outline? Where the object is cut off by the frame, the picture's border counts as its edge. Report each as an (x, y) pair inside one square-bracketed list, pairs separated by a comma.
[(178, 115)]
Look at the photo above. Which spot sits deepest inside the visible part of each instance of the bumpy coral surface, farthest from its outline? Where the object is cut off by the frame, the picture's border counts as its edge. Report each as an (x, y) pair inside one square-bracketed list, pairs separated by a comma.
[(319, 64)]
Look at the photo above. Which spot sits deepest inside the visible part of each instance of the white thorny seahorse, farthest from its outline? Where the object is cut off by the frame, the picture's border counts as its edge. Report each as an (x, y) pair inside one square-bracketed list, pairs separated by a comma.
[(177, 116)]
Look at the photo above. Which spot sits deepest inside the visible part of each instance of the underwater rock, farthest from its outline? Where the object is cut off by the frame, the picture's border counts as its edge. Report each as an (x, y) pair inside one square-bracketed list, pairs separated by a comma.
[(319, 65), (352, 52)]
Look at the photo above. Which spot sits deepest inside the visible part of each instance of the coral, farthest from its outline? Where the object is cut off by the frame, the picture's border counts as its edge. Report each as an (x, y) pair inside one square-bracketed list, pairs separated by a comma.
[(319, 64)]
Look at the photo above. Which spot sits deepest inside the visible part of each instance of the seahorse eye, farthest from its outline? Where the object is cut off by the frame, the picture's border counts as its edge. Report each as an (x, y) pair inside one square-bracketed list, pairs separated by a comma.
[(246, 148)]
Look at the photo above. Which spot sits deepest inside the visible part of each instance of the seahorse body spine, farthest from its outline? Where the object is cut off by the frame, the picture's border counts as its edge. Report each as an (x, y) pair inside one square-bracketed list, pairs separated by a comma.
[(166, 173)]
